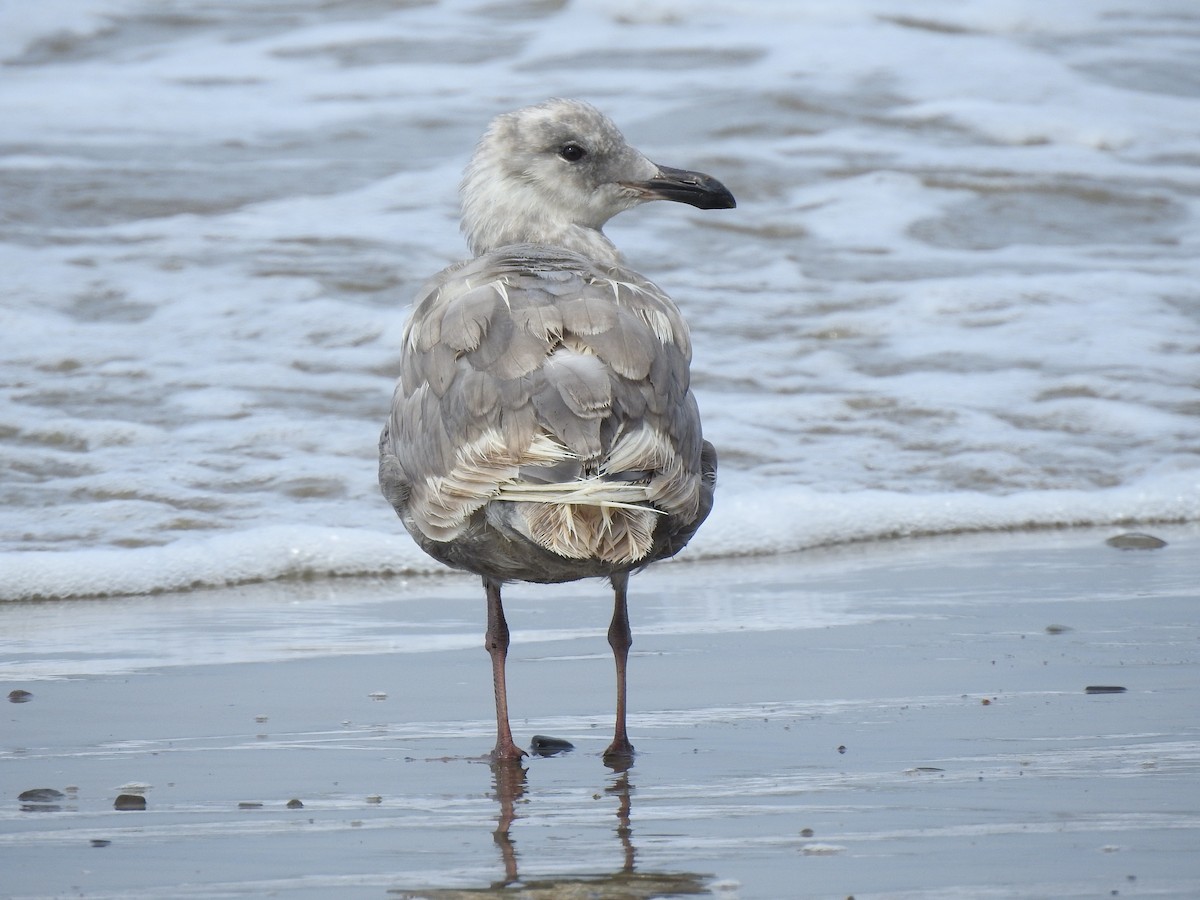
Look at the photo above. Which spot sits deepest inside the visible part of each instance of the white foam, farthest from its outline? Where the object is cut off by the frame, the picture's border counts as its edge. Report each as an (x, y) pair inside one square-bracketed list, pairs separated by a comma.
[(749, 519), (256, 554)]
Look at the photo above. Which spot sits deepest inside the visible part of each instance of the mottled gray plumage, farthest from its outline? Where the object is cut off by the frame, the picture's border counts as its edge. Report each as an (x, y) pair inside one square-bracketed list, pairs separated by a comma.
[(542, 427)]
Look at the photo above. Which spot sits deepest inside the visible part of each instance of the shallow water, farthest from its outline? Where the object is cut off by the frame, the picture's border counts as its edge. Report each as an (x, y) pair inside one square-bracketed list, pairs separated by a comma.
[(890, 720), (959, 291)]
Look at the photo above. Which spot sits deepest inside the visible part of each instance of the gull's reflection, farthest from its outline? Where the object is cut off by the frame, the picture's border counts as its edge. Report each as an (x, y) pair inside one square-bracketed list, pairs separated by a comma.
[(621, 788), (627, 883), (508, 781)]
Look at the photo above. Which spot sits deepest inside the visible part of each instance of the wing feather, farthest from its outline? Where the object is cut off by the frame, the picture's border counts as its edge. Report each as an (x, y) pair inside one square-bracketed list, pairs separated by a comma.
[(531, 364), (465, 322)]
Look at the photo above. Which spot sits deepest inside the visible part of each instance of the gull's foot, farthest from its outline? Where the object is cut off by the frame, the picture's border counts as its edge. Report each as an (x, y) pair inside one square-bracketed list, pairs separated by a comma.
[(506, 751), (619, 755)]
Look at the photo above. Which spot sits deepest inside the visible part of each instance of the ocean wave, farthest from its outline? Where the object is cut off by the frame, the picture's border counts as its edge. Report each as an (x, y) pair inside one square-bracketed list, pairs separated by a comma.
[(747, 522)]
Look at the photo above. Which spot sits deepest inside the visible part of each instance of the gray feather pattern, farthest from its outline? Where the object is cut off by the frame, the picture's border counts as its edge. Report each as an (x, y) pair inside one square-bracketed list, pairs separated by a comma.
[(480, 395), (580, 434), (517, 427), (465, 322), (592, 313), (628, 346), (563, 349), (524, 354), (582, 381), (542, 320)]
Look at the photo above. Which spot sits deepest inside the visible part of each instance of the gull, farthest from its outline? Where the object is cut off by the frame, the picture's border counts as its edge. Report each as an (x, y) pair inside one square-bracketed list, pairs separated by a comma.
[(542, 427)]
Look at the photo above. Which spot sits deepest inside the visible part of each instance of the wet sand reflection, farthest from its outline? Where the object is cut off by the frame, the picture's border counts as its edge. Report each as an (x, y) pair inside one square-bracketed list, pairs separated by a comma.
[(510, 787)]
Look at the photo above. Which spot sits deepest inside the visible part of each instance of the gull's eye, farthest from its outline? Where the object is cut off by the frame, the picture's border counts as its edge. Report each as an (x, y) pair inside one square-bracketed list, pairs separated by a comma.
[(572, 152)]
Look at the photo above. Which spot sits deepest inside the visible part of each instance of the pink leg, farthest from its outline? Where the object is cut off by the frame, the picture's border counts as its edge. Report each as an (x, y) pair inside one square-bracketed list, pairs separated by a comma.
[(620, 638), (496, 642)]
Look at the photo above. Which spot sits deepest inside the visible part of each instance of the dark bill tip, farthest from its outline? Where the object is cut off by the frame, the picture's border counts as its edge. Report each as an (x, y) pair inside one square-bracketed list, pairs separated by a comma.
[(693, 188)]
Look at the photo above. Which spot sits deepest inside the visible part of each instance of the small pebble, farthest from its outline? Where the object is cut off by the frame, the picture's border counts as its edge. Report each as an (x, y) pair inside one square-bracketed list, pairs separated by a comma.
[(541, 745), (100, 842), (295, 804), (841, 748), (806, 832), (41, 795), (19, 696), (374, 798), (41, 799), (249, 804), (1136, 540), (1104, 689), (129, 801), (1058, 629)]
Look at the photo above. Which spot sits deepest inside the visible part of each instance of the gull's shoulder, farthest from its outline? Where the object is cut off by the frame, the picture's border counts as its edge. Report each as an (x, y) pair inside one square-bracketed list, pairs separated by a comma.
[(546, 289)]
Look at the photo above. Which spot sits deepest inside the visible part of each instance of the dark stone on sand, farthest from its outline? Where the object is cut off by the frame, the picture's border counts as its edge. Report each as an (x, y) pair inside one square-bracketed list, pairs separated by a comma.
[(19, 696), (249, 804), (100, 842), (41, 800), (129, 801), (295, 804), (41, 795), (1058, 629), (1104, 689), (1136, 540), (541, 745)]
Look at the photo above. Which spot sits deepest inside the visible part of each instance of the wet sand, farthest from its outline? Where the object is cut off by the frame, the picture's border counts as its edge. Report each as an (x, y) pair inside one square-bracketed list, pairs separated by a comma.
[(902, 719)]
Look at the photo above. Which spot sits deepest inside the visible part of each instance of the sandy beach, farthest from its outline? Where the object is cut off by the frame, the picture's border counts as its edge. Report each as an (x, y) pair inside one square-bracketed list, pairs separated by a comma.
[(897, 719)]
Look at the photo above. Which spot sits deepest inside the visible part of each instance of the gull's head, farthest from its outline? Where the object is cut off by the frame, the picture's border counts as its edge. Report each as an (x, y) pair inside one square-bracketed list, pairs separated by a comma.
[(556, 172)]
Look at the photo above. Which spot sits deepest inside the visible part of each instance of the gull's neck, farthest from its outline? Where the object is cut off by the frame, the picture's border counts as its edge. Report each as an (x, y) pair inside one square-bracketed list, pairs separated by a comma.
[(497, 215)]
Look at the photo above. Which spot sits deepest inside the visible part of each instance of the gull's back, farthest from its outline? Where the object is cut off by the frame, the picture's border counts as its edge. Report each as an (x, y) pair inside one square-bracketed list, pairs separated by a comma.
[(543, 428)]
